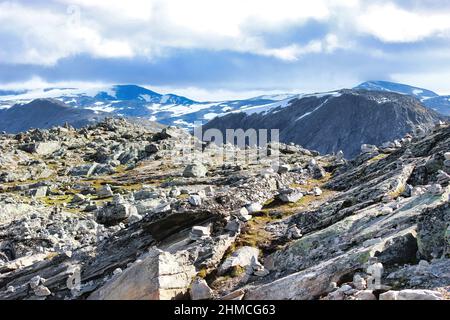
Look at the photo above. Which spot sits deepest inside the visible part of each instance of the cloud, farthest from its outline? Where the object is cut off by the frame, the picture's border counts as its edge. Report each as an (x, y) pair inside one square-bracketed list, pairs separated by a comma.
[(391, 23), (44, 34)]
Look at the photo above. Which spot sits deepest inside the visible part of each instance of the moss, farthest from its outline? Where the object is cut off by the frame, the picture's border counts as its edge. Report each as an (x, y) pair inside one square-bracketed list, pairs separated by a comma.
[(53, 201), (236, 271), (203, 273), (379, 157)]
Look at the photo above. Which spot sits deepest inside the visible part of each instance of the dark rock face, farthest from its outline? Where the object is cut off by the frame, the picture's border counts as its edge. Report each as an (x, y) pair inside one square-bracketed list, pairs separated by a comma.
[(45, 113), (340, 121)]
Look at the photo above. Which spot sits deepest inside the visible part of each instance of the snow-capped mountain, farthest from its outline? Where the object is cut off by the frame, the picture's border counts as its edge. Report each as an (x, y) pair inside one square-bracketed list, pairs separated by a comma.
[(341, 120), (136, 101), (429, 98)]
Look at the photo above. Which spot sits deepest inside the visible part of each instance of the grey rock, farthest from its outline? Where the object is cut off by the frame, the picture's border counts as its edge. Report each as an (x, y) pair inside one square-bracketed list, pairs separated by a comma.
[(200, 290), (196, 170)]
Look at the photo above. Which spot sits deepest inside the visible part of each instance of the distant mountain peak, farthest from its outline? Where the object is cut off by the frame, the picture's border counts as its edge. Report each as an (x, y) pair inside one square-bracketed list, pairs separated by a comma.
[(381, 85)]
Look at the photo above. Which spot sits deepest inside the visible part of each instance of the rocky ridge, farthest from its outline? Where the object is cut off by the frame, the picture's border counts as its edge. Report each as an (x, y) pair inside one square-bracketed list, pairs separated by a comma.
[(116, 211)]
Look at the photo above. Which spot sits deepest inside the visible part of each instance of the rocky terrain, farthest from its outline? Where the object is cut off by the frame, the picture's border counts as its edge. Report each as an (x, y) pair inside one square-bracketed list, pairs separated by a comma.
[(341, 120), (115, 210)]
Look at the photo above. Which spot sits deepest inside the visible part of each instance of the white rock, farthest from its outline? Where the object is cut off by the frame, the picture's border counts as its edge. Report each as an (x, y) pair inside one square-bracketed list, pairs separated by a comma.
[(11, 289), (196, 170), (447, 156), (368, 148), (243, 257), (317, 191), (254, 207), (195, 200), (359, 282), (411, 294), (199, 232)]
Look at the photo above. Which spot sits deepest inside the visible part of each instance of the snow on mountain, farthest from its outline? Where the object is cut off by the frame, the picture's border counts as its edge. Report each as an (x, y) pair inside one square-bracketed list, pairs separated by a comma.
[(429, 98), (136, 101)]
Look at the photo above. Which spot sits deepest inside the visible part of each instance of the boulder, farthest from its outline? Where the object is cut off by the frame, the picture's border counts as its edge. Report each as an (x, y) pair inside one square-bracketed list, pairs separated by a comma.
[(196, 170), (243, 257), (159, 275), (39, 192), (195, 200), (115, 213), (105, 191), (254, 207), (200, 290), (199, 232), (368, 148), (290, 195), (42, 148)]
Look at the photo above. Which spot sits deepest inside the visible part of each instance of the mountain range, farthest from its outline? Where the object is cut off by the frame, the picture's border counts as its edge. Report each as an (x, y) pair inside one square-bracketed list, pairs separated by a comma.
[(341, 120), (373, 112)]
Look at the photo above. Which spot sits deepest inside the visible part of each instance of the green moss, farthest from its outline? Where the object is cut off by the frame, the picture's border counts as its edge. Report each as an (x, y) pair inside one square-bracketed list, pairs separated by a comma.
[(379, 157), (236, 271)]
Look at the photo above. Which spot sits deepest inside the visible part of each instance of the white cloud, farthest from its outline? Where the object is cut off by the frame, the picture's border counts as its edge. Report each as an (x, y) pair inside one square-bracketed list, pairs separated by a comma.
[(390, 23), (43, 34)]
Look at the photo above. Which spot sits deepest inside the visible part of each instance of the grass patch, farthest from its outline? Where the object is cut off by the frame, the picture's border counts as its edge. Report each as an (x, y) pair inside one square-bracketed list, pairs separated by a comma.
[(379, 157)]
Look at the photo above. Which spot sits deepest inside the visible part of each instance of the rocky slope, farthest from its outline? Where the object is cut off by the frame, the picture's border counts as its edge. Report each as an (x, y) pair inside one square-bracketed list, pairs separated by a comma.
[(116, 211), (337, 121)]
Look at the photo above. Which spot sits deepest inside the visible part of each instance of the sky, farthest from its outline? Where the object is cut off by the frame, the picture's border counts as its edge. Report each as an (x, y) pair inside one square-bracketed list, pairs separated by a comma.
[(224, 49)]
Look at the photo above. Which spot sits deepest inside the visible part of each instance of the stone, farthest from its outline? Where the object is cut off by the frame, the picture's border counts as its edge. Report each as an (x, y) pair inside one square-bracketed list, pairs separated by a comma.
[(447, 163), (195, 200), (78, 198), (159, 275), (134, 217), (447, 156), (39, 192), (290, 195), (442, 177), (317, 191), (242, 214), (42, 148), (42, 291), (368, 148), (254, 207), (284, 168), (105, 191), (196, 170), (199, 232), (233, 226), (115, 213), (200, 290), (294, 232), (359, 282), (35, 282), (411, 294), (365, 295), (244, 257), (436, 189)]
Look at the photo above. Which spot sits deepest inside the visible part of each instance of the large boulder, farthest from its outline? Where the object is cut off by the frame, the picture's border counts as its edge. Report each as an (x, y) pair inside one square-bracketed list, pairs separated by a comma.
[(41, 148), (243, 257), (195, 170), (158, 276)]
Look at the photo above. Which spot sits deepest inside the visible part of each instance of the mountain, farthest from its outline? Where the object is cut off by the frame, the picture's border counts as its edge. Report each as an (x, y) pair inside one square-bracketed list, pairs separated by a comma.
[(341, 120), (429, 98), (45, 113), (136, 101)]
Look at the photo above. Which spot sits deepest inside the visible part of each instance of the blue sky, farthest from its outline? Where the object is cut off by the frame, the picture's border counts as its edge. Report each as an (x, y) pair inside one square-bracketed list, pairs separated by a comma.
[(214, 49)]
